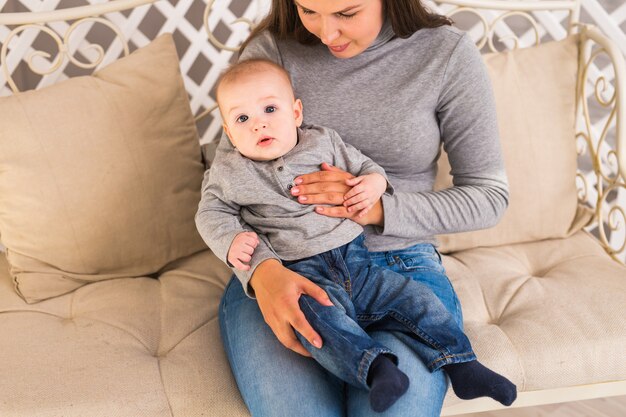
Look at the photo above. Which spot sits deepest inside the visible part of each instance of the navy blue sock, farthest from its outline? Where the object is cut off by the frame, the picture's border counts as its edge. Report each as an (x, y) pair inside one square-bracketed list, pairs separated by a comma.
[(387, 383), (472, 380)]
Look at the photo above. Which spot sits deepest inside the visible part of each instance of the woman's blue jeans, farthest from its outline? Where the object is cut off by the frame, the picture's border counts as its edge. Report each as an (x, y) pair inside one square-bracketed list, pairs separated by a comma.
[(277, 382)]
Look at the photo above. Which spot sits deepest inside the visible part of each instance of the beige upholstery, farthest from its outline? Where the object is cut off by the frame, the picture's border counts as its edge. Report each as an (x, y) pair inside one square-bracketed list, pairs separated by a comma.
[(115, 160), (546, 314), (144, 346), (535, 84), (122, 347)]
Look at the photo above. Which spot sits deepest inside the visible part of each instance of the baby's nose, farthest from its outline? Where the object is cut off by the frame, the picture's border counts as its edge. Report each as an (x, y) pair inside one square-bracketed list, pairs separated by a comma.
[(260, 125)]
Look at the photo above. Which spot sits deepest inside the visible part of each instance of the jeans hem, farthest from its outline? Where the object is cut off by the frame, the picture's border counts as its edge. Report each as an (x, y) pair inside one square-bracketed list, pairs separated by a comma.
[(450, 359), (368, 357)]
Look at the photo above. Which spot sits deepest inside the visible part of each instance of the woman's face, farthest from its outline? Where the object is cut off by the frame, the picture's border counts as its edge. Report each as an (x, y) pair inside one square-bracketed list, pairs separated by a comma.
[(346, 27)]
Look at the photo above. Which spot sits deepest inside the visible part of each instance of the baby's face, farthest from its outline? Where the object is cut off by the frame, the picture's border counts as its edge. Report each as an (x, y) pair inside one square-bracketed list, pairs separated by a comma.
[(260, 114)]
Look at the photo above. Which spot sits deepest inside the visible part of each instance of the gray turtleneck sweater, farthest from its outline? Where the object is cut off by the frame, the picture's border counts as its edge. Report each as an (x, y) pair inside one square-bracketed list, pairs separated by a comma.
[(397, 102)]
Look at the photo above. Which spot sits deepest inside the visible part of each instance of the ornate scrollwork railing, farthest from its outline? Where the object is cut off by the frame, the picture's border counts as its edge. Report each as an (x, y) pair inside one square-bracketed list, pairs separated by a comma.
[(219, 45), (604, 188), (493, 14), (39, 20), (63, 48), (601, 178)]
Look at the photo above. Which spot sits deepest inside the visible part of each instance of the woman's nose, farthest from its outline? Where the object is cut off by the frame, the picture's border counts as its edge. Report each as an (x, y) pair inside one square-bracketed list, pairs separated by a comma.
[(328, 31)]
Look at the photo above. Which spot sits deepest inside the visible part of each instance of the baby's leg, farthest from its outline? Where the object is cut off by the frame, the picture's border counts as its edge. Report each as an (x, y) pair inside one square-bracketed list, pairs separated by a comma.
[(352, 355), (387, 300)]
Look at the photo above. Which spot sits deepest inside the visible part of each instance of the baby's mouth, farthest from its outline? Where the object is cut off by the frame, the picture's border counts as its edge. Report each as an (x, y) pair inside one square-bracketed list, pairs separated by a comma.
[(265, 140)]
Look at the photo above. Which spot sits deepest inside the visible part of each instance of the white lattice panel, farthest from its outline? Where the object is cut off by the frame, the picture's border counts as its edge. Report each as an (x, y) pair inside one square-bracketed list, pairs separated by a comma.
[(201, 61)]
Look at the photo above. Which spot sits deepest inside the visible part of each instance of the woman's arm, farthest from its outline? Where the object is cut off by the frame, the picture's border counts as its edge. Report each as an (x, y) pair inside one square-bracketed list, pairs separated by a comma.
[(468, 127), (467, 121)]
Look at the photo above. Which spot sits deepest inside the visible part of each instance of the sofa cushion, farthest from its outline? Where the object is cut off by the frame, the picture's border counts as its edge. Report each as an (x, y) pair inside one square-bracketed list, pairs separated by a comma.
[(100, 175), (120, 347), (545, 314), (534, 91)]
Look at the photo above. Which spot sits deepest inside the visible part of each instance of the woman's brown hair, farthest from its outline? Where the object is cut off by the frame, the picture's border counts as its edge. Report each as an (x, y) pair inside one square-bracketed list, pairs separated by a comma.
[(406, 18)]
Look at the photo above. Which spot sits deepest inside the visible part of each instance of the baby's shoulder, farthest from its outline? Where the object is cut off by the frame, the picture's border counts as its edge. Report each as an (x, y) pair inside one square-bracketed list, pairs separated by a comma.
[(318, 135)]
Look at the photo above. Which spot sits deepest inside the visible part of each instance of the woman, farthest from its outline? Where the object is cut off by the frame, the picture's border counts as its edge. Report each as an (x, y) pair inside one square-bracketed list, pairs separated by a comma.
[(396, 82)]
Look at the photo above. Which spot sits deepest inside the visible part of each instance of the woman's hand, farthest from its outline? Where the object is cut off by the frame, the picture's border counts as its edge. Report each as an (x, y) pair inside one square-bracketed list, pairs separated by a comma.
[(277, 291), (329, 186)]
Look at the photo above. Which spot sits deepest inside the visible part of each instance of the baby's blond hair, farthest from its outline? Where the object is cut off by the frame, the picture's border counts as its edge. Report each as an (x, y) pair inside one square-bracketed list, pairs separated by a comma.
[(246, 68)]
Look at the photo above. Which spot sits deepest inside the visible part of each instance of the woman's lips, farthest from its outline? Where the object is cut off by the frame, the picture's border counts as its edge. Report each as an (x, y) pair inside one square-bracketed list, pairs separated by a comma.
[(339, 48)]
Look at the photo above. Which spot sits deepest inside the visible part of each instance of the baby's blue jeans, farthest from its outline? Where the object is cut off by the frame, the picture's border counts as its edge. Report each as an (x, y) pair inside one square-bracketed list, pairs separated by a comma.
[(370, 297), (276, 382)]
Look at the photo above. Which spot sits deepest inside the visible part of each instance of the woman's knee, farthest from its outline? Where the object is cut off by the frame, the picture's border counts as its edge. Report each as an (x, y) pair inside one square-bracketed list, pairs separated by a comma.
[(292, 385)]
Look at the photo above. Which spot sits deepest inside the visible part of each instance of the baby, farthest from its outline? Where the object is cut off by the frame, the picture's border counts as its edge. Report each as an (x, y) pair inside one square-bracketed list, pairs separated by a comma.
[(247, 205)]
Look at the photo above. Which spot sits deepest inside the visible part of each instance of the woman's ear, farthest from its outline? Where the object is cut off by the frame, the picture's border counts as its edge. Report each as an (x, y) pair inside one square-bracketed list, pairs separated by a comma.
[(297, 111)]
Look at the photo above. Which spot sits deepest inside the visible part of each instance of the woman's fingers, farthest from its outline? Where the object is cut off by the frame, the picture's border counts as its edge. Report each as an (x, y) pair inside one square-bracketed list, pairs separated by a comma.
[(317, 293), (328, 167), (336, 211), (359, 206), (278, 291), (364, 212), (336, 175), (320, 188), (325, 198)]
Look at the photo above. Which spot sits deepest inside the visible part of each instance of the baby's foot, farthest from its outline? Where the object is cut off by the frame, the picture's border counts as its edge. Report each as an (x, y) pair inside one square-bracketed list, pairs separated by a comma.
[(387, 383), (472, 380)]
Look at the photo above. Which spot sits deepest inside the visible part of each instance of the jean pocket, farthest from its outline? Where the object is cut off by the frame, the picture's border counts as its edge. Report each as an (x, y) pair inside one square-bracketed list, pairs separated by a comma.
[(416, 261)]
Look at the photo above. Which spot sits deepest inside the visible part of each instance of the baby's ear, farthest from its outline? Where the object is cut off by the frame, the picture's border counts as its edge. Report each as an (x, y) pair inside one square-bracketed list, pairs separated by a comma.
[(225, 127), (297, 111)]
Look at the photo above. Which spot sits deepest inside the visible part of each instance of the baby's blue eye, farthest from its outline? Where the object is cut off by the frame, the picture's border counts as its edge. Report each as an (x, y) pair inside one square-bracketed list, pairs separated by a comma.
[(242, 118), (270, 109)]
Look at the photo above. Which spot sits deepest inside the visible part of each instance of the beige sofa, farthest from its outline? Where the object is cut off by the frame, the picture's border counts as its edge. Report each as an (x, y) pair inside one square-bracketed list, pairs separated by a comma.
[(108, 298)]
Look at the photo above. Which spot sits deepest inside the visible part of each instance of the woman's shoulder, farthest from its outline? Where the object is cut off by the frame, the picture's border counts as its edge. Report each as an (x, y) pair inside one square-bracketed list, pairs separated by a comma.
[(263, 45), (442, 43), (445, 36)]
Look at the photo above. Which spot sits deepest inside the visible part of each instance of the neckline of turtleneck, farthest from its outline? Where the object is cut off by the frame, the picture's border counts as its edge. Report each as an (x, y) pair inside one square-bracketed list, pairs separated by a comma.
[(385, 35)]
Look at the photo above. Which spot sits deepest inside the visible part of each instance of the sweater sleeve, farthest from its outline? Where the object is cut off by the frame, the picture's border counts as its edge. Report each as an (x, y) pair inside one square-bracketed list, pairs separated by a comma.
[(468, 127), (218, 221)]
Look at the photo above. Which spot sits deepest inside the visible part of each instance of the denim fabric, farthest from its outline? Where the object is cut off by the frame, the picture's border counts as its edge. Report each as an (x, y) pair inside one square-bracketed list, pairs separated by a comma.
[(369, 297), (276, 382), (422, 263)]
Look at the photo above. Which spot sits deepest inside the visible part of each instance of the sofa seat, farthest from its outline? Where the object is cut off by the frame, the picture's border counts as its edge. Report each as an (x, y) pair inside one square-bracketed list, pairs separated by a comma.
[(546, 314), (151, 347), (125, 347)]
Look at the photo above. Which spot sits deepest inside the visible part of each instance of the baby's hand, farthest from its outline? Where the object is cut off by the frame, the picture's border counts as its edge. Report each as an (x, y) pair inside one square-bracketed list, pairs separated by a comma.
[(365, 191), (241, 250)]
